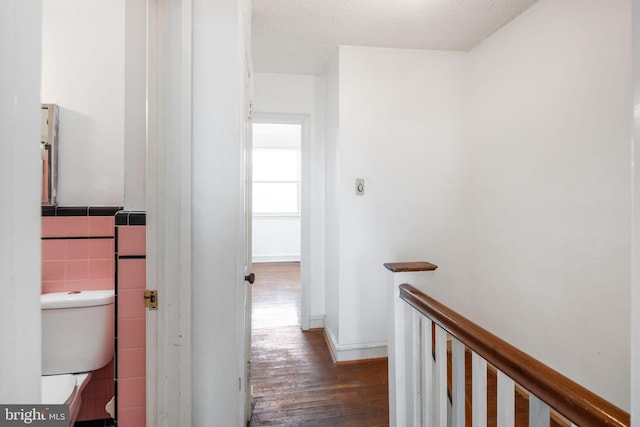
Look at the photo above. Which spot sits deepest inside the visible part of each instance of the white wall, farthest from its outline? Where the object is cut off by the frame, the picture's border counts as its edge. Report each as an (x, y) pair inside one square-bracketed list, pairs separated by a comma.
[(282, 94), (509, 167), (83, 72), (276, 238), (135, 105), (549, 186), (332, 255), (400, 129), (20, 189)]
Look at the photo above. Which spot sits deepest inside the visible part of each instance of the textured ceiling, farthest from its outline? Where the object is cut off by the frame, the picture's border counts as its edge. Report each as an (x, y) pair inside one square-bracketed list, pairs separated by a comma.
[(299, 36)]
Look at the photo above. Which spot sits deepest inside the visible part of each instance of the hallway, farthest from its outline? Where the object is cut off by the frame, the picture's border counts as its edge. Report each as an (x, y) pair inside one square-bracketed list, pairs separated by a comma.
[(295, 382)]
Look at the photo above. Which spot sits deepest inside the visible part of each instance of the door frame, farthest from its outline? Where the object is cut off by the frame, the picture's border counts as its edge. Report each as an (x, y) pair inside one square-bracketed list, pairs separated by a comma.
[(168, 199), (305, 204)]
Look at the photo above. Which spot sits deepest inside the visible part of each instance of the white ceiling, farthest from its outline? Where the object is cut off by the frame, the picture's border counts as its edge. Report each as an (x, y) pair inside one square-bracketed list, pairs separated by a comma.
[(299, 36)]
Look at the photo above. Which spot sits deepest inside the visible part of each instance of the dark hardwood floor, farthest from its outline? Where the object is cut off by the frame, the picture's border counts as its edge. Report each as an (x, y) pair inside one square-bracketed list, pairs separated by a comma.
[(295, 382)]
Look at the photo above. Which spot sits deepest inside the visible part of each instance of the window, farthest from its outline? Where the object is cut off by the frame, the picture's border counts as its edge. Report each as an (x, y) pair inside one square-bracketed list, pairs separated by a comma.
[(276, 169)]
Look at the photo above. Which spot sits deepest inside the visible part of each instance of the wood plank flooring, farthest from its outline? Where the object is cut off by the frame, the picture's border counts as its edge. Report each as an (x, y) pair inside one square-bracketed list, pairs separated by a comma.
[(295, 382)]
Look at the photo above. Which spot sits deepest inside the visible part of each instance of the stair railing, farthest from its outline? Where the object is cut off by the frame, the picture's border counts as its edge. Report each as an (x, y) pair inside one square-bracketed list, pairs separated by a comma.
[(419, 390)]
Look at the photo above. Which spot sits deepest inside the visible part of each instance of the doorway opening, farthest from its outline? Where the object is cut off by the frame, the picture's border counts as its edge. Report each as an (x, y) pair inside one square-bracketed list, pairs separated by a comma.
[(276, 177), (279, 199)]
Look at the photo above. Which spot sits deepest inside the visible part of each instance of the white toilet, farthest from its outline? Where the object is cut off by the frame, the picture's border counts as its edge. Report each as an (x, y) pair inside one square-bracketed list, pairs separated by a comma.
[(77, 339)]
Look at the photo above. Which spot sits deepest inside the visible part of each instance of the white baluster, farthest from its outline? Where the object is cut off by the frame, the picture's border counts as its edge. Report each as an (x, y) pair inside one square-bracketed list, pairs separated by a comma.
[(538, 412), (457, 382), (413, 377), (441, 378), (428, 400), (410, 364), (396, 357), (506, 401), (479, 391)]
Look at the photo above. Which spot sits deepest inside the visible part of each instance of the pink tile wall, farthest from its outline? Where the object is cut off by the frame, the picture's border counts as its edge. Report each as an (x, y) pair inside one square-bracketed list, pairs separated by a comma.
[(132, 240), (131, 327), (82, 264), (74, 226), (77, 264)]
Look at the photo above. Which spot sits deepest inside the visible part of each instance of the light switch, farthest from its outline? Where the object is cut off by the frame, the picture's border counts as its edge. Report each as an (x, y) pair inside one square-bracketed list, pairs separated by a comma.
[(359, 187)]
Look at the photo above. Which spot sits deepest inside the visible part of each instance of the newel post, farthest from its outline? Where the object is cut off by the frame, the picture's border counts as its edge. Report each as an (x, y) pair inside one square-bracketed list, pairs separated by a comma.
[(421, 276)]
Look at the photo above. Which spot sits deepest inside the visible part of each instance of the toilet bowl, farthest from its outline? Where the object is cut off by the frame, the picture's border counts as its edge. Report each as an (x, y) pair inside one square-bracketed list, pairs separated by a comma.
[(65, 389), (77, 339)]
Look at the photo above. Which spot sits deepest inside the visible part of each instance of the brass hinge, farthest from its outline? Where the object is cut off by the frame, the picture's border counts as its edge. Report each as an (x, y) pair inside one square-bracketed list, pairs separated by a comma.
[(151, 299)]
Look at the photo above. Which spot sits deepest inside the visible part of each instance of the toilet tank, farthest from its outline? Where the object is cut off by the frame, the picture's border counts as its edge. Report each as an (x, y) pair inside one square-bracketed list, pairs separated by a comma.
[(77, 331)]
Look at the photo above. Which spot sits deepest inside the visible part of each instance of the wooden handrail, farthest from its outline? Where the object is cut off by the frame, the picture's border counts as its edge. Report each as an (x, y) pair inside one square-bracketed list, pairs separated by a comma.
[(581, 406)]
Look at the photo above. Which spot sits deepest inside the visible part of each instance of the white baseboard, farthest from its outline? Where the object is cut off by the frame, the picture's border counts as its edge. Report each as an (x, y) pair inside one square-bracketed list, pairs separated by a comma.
[(359, 351), (276, 258), (316, 322)]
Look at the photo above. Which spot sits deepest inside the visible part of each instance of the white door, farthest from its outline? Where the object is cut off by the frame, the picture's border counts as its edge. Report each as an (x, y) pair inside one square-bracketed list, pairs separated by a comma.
[(248, 273)]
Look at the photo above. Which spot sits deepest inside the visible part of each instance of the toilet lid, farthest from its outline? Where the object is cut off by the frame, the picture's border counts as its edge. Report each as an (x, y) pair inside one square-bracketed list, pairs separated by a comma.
[(57, 389)]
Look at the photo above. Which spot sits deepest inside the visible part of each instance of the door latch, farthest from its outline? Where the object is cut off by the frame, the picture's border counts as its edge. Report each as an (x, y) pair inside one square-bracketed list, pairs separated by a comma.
[(151, 299)]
